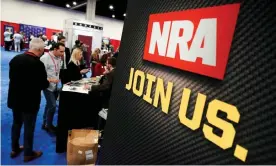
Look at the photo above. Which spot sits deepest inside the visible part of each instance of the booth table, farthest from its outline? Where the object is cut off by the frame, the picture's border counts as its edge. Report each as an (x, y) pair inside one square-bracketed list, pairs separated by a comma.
[(76, 111)]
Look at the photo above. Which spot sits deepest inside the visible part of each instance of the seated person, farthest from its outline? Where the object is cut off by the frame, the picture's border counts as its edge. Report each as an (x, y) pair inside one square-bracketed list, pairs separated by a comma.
[(74, 72), (106, 86), (100, 66)]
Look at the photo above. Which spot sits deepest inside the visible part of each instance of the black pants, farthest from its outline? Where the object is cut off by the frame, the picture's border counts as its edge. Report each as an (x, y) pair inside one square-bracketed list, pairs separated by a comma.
[(22, 44), (7, 45), (62, 76), (29, 120)]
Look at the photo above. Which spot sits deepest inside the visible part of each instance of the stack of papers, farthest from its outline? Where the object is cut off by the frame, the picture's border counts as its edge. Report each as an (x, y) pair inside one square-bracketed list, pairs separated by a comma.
[(78, 86), (77, 89)]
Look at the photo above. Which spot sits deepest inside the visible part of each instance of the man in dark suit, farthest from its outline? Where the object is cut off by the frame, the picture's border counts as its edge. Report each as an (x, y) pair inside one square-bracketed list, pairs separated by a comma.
[(27, 78), (66, 58), (107, 79), (106, 82), (103, 90)]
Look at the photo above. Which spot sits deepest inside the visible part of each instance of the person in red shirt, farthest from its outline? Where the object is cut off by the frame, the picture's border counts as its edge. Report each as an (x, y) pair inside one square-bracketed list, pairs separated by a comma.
[(100, 66)]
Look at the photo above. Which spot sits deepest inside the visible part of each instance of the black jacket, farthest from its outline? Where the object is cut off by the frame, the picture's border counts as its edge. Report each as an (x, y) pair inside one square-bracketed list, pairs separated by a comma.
[(27, 78), (50, 42), (105, 88), (62, 70), (68, 55), (72, 73), (107, 82)]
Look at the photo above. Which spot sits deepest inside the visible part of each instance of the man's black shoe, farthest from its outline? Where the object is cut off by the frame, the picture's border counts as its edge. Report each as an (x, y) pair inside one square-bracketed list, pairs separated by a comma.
[(43, 127), (51, 129)]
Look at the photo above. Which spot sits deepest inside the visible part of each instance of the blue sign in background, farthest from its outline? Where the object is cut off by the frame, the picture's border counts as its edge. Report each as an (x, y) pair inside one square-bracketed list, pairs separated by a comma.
[(27, 29)]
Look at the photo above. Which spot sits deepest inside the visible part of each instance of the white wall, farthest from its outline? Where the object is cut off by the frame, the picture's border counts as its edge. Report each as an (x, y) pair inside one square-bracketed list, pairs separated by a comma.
[(39, 14)]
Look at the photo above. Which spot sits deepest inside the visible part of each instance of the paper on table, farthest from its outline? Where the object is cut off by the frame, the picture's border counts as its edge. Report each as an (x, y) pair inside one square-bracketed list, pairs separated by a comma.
[(76, 89), (87, 80), (103, 113)]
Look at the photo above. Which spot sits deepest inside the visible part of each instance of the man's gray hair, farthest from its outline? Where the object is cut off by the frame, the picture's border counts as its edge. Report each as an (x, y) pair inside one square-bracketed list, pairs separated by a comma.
[(36, 44)]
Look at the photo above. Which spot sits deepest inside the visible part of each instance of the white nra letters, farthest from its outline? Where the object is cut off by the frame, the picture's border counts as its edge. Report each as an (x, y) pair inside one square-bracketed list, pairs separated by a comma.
[(203, 40)]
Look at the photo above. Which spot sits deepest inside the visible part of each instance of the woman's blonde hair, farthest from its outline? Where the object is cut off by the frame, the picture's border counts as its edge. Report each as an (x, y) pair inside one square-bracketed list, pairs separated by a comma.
[(96, 52), (74, 55)]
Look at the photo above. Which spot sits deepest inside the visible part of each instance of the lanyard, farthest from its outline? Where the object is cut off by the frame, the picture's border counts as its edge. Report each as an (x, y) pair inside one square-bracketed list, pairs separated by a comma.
[(56, 68)]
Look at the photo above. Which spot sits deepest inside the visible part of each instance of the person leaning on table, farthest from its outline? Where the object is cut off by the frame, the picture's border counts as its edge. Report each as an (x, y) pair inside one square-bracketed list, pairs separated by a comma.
[(105, 86), (74, 71), (27, 78)]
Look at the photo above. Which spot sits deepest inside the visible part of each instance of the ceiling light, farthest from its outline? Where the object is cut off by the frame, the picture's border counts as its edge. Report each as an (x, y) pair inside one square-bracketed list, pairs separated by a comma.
[(74, 3), (111, 7), (113, 16), (67, 5), (124, 14), (41, 0)]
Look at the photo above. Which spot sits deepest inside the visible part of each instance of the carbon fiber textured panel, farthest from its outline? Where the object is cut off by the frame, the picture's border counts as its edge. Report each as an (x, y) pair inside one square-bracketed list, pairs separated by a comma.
[(138, 133)]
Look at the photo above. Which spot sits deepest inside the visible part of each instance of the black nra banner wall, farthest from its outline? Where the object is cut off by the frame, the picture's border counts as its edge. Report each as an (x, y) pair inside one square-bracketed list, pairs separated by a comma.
[(237, 124)]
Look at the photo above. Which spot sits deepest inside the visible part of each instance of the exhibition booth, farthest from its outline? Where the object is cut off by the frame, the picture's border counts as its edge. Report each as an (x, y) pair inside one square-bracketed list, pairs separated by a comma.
[(89, 33), (194, 84), (27, 30), (78, 30)]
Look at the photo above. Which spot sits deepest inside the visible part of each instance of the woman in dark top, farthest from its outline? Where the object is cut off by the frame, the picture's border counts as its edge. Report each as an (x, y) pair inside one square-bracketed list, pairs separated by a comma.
[(74, 72)]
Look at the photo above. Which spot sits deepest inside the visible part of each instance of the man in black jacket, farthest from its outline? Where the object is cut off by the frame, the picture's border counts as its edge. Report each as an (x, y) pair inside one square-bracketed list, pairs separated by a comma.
[(106, 82), (105, 87), (24, 96), (65, 60)]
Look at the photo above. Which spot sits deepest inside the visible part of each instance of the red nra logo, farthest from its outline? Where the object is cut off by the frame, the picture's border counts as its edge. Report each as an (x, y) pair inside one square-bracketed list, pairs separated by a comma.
[(196, 40)]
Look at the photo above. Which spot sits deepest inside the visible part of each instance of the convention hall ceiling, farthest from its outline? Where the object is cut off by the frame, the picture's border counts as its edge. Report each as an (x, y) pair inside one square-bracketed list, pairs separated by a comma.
[(109, 8)]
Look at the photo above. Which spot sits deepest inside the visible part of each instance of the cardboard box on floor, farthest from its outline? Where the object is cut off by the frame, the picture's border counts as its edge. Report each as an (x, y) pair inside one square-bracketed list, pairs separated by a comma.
[(82, 147)]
